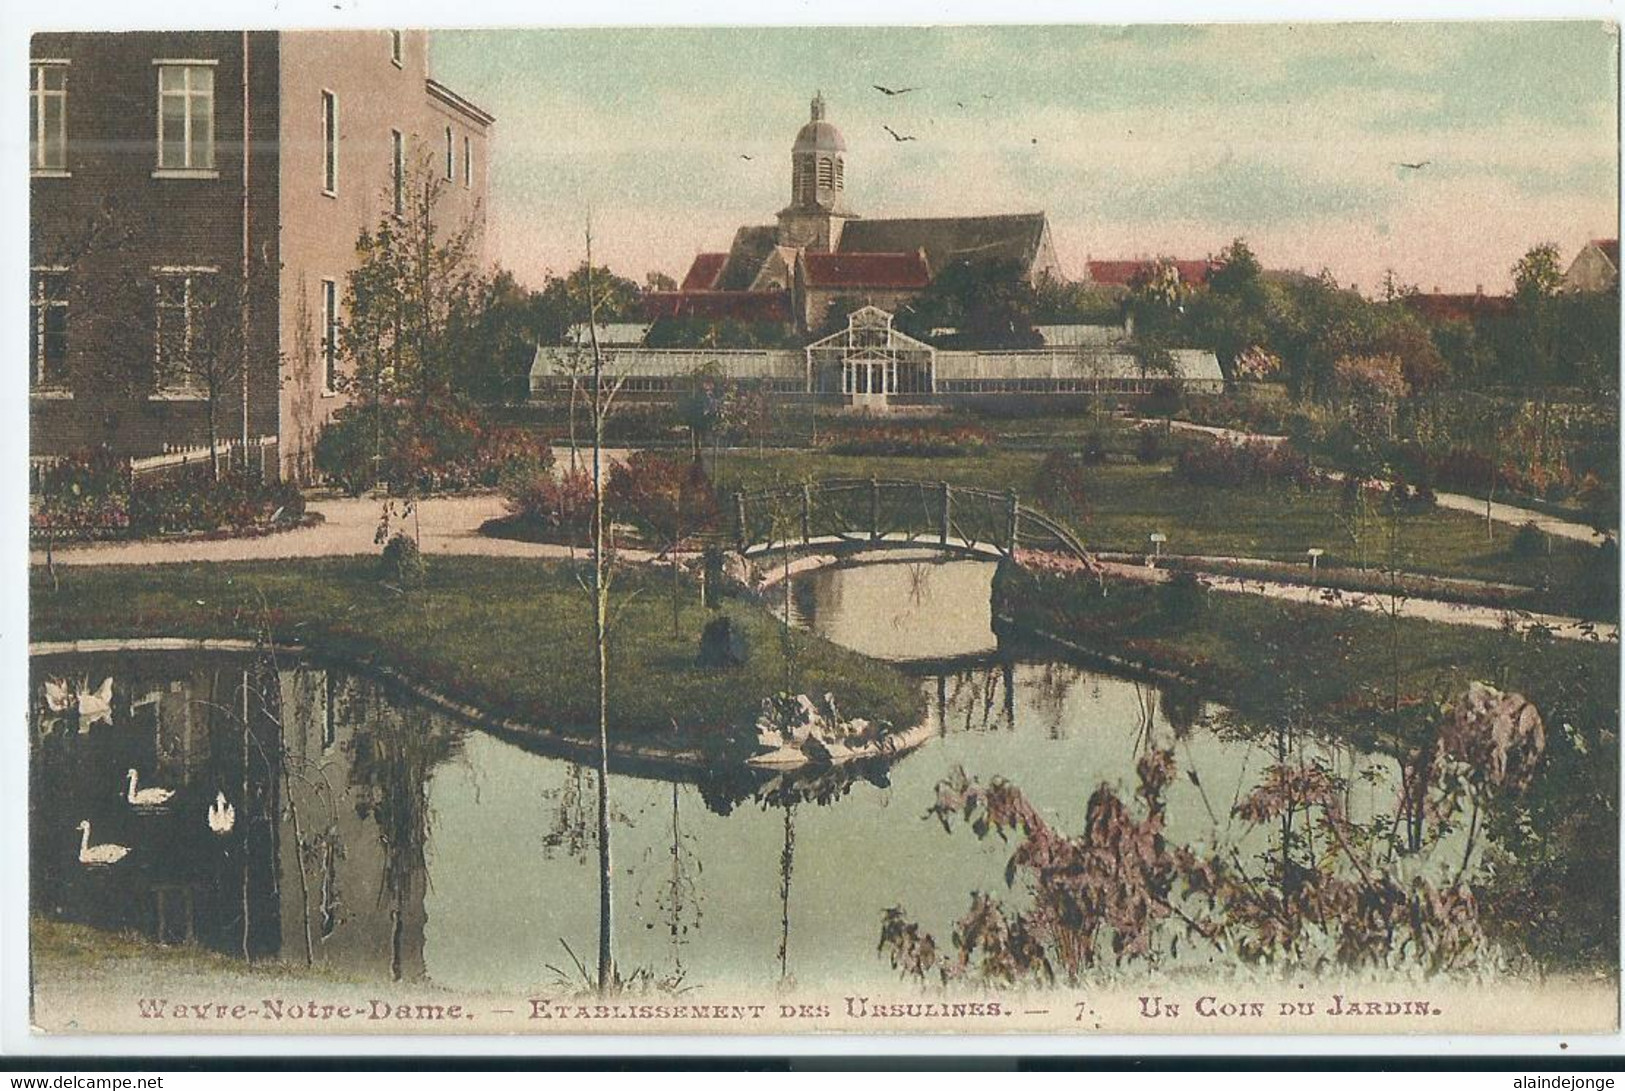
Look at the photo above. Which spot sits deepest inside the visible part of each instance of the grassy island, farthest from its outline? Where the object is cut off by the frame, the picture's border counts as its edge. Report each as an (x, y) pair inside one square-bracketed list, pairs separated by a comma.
[(510, 636)]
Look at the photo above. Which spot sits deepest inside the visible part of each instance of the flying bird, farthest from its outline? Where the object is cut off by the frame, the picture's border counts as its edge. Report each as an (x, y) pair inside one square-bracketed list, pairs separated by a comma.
[(1414, 166), (894, 134), (890, 91), (742, 155)]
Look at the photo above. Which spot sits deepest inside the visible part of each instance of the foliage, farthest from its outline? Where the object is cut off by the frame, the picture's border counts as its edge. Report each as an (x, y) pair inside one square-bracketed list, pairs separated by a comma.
[(1181, 598), (1061, 487), (551, 506), (402, 565), (1256, 462), (988, 304), (668, 499), (915, 441), (1121, 892), (411, 448), (91, 495), (1149, 444), (1528, 542)]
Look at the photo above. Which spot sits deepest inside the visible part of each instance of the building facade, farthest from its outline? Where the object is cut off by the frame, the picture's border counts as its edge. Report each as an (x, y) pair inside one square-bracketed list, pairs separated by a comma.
[(194, 208), (1595, 268)]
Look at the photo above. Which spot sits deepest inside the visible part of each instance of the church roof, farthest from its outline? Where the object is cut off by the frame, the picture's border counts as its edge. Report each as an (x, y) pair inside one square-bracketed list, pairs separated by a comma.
[(704, 272), (1610, 250), (750, 248), (1013, 238), (850, 270)]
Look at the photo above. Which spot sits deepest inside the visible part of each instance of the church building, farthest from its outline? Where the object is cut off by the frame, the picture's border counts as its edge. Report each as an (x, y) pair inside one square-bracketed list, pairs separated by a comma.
[(820, 249)]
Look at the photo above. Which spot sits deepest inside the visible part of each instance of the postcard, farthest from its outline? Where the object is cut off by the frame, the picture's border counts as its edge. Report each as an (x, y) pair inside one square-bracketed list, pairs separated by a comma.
[(801, 530)]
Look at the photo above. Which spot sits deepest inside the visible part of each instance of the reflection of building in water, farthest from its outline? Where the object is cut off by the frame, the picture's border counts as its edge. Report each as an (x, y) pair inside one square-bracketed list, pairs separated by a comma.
[(353, 895), (325, 861)]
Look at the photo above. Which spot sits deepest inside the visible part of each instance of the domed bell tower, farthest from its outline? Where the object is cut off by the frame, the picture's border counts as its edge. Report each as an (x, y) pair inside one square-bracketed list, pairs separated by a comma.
[(817, 210)]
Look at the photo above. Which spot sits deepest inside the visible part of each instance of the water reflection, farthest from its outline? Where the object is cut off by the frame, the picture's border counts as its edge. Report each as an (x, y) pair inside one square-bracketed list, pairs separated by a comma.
[(382, 840)]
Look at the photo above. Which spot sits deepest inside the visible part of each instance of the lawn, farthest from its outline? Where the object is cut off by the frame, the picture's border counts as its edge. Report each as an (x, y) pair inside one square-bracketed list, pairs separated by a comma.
[(1129, 500), (512, 636)]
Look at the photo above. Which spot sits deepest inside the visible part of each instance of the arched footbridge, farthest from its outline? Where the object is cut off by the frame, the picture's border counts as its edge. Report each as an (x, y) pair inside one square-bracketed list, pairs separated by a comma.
[(879, 513)]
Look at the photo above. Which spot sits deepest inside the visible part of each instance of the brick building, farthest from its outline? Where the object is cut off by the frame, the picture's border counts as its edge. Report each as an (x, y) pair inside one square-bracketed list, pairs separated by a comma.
[(195, 202)]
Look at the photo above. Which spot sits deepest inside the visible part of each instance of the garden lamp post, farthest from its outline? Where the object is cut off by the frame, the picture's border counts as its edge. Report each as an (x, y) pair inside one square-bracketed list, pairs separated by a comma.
[(1157, 538), (1315, 553)]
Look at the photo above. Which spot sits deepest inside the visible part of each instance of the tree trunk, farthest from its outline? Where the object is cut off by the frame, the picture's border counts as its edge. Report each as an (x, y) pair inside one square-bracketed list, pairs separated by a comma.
[(600, 621)]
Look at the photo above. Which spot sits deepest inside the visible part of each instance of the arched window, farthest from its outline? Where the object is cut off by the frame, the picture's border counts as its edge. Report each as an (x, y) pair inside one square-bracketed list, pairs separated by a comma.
[(826, 172)]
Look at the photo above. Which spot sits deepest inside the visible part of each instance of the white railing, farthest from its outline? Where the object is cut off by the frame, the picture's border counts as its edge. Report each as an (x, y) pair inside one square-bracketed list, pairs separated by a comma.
[(175, 454)]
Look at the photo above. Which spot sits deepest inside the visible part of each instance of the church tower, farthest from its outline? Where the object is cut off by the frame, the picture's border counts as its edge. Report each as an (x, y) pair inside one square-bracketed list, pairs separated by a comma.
[(817, 210)]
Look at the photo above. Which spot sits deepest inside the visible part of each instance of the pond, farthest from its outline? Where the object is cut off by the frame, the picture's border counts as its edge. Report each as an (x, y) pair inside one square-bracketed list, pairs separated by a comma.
[(382, 840)]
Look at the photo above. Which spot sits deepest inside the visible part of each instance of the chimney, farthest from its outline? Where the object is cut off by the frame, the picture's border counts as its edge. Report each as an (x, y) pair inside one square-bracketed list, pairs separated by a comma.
[(1479, 290)]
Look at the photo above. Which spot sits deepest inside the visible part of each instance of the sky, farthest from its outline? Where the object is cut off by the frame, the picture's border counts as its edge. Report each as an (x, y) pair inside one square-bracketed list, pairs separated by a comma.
[(1137, 141)]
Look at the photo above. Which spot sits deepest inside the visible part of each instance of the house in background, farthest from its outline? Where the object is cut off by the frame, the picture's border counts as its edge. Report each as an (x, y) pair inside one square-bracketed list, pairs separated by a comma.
[(1595, 268), (195, 202), (1123, 273)]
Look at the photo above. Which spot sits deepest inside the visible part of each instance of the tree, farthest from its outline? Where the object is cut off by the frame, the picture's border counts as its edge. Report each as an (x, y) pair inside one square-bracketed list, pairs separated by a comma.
[(989, 303), (670, 501), (656, 281), (496, 344)]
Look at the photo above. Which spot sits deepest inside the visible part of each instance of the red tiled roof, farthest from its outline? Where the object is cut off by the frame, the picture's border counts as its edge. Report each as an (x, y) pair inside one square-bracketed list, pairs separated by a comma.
[(1457, 307), (1609, 248), (704, 272), (741, 306), (1124, 272), (844, 270)]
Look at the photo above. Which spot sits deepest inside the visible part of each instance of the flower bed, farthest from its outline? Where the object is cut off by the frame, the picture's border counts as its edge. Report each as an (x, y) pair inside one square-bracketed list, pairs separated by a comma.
[(1232, 465), (413, 449), (919, 442), (92, 497)]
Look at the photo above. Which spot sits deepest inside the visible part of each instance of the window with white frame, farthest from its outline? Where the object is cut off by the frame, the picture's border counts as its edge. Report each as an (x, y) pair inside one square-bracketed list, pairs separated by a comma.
[(397, 166), (330, 142), (48, 323), (180, 303), (397, 46), (48, 117), (185, 116), (330, 335), (451, 164), (468, 162)]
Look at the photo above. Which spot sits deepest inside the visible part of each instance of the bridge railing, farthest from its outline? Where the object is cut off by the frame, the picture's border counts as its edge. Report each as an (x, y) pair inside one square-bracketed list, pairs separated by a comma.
[(889, 510)]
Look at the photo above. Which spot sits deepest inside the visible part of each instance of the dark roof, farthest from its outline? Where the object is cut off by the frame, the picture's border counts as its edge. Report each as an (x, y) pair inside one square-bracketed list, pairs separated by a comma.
[(1013, 238), (844, 270), (704, 272), (750, 248), (1609, 248), (1124, 272), (741, 306), (1457, 306)]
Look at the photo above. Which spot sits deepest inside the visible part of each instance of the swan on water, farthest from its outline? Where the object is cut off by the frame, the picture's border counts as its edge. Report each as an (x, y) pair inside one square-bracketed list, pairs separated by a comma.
[(98, 855), (145, 797), (222, 815), (82, 700)]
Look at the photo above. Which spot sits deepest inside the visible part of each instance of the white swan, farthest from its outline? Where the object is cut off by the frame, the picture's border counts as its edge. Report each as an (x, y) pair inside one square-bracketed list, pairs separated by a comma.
[(88, 705), (145, 797), (222, 815), (98, 855)]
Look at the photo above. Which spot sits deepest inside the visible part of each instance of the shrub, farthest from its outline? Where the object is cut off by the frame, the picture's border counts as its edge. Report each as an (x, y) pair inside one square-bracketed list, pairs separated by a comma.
[(402, 562), (668, 499), (92, 496), (1094, 449), (964, 439), (409, 448), (1529, 541), (554, 507), (1256, 462), (1181, 598), (1148, 445), (1061, 485)]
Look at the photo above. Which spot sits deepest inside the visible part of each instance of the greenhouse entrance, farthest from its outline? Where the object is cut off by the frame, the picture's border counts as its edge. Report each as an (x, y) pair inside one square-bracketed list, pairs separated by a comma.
[(873, 360)]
